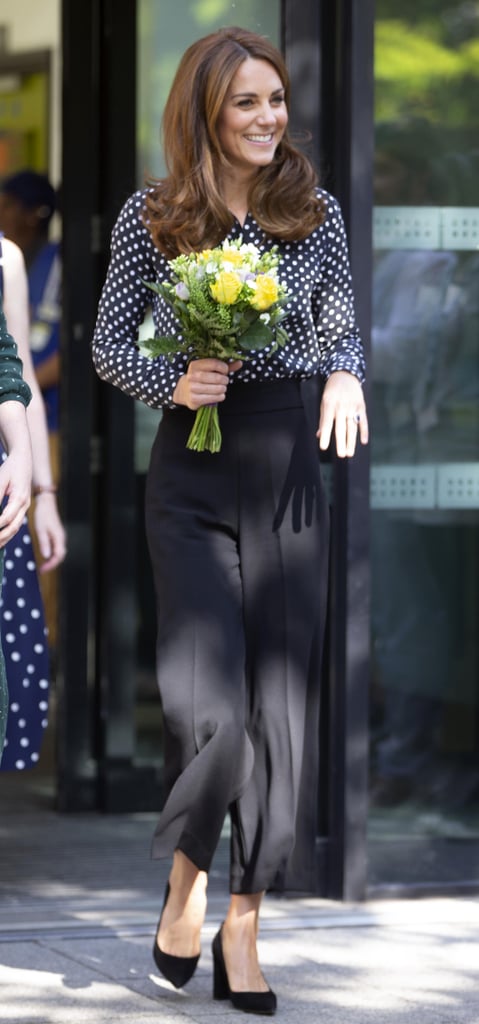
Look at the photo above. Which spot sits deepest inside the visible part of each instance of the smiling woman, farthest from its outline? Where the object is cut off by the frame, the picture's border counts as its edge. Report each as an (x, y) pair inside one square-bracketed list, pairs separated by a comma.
[(240, 573)]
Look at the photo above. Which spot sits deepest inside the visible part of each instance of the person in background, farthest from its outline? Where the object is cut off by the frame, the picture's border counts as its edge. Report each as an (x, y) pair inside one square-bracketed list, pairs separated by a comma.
[(239, 538), (22, 615), (28, 202), (16, 468)]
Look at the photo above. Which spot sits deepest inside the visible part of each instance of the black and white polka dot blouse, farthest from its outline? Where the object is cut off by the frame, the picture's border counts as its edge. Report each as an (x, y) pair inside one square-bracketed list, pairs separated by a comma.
[(323, 335)]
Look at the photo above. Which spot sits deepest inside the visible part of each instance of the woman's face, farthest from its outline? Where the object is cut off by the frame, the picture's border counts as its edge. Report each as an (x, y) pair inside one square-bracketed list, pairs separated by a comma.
[(253, 118)]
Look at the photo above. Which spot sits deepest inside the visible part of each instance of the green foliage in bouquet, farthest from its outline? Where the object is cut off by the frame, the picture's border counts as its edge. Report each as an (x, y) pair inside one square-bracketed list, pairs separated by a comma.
[(229, 303)]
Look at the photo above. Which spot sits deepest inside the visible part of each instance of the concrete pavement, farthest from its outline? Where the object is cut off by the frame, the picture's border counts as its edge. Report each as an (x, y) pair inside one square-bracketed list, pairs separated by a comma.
[(79, 901), (413, 961)]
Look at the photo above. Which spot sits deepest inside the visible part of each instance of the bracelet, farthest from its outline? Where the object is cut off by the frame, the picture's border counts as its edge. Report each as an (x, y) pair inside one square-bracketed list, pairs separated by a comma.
[(44, 489)]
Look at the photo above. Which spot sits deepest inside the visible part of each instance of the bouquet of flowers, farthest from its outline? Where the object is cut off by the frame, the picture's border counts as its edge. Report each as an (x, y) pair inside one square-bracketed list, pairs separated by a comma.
[(229, 303)]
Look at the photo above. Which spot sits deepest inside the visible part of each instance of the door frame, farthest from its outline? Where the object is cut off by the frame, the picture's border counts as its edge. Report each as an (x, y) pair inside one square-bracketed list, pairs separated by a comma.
[(329, 51)]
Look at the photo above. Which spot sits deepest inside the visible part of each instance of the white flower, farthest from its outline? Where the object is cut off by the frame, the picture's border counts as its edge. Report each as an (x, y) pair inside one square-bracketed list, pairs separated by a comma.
[(252, 250)]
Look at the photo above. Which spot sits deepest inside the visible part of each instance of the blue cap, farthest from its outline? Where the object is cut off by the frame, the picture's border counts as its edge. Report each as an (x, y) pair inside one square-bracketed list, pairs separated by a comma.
[(33, 190)]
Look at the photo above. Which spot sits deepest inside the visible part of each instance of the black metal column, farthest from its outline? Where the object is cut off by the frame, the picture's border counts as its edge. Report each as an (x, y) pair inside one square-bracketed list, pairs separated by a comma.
[(329, 51), (301, 43), (77, 748), (348, 143), (116, 608), (97, 686)]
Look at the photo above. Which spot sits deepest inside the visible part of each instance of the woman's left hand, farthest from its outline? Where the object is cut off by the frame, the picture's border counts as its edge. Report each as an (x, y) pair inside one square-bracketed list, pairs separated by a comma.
[(50, 532), (343, 407)]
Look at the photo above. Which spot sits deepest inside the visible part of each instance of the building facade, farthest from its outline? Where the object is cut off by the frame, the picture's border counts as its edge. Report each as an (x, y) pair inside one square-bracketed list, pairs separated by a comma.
[(383, 95)]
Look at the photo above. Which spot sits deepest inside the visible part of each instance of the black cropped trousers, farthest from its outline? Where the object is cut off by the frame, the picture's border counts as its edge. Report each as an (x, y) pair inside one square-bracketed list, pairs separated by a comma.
[(239, 548)]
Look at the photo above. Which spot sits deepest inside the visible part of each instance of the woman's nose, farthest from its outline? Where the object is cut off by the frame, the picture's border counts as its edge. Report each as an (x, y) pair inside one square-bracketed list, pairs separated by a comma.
[(266, 114)]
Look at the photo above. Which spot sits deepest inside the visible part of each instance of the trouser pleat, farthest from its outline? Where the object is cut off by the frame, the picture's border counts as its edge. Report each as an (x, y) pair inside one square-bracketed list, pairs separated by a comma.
[(239, 546)]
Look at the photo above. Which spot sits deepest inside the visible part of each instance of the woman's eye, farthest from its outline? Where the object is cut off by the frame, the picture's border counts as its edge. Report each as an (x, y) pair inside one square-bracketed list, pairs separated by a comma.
[(248, 102)]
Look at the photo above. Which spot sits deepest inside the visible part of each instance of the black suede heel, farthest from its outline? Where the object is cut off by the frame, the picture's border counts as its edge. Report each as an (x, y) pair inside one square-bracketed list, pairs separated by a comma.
[(176, 969), (249, 1002)]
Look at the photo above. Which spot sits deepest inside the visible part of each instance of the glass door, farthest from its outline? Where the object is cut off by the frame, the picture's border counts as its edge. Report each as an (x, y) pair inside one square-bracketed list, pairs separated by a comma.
[(424, 820), (163, 33)]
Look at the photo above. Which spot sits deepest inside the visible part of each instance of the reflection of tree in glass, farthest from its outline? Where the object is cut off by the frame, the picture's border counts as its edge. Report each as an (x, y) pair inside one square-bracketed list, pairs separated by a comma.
[(425, 365), (424, 311), (427, 61)]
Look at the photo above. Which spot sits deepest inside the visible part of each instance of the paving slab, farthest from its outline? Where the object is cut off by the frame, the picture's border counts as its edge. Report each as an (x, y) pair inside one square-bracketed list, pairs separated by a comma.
[(79, 904)]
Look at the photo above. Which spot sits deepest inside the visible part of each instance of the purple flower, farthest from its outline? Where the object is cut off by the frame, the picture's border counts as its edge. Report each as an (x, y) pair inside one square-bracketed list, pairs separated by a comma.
[(182, 291)]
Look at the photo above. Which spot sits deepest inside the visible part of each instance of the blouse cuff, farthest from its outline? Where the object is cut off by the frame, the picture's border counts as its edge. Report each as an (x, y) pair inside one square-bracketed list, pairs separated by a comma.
[(347, 361), (18, 391)]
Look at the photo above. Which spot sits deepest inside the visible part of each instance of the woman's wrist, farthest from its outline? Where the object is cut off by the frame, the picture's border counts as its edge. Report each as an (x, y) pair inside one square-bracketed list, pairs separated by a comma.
[(39, 489)]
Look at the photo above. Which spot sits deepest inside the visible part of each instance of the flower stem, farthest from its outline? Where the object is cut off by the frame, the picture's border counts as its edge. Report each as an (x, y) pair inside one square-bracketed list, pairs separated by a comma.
[(205, 435)]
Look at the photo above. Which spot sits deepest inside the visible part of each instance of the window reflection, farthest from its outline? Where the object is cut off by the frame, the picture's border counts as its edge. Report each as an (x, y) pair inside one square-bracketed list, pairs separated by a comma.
[(425, 447)]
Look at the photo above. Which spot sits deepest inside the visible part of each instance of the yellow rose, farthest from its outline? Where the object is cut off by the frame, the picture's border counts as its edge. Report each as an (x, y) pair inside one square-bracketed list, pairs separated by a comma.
[(233, 256), (226, 288), (266, 292)]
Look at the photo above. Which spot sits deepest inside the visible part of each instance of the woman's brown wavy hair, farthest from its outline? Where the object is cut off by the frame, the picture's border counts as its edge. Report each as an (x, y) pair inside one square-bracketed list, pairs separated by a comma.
[(185, 211)]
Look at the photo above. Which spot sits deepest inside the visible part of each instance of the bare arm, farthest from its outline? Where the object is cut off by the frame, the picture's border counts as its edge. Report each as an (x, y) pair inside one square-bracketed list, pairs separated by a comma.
[(48, 525), (15, 472)]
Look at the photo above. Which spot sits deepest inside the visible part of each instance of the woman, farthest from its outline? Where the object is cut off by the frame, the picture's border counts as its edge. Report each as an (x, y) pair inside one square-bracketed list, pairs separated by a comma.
[(16, 470), (23, 627), (239, 539)]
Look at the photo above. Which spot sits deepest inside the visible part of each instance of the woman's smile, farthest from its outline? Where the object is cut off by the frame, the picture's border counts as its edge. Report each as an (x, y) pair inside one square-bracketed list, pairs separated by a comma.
[(260, 138)]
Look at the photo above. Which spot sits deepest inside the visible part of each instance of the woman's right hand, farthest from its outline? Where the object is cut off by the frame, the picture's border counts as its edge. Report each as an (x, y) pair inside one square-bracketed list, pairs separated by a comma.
[(204, 383), (15, 482)]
